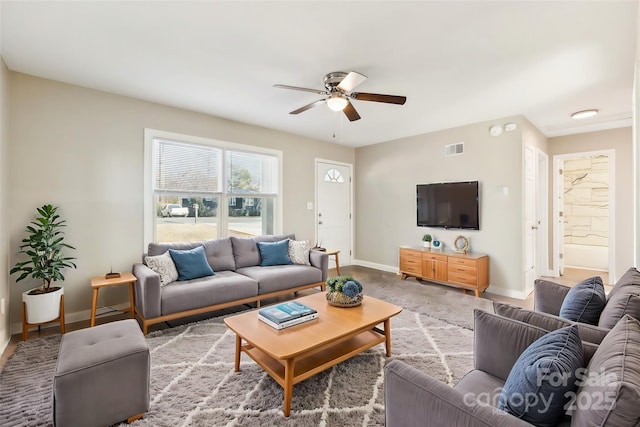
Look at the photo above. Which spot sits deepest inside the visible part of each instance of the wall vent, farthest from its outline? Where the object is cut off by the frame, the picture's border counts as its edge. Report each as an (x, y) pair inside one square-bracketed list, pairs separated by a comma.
[(454, 149)]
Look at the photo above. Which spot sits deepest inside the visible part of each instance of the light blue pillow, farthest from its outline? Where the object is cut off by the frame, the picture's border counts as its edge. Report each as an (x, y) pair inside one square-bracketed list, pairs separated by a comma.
[(274, 253), (191, 264), (584, 302), (542, 379)]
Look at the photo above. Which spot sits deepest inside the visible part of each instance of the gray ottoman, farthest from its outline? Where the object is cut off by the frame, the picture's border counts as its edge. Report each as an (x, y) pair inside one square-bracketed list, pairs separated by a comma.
[(102, 376)]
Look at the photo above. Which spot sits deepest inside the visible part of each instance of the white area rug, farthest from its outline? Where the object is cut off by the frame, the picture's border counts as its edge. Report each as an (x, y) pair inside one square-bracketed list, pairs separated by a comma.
[(193, 382)]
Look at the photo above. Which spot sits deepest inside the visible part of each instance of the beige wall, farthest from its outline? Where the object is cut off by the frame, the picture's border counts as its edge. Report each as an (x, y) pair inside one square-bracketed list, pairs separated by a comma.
[(386, 178), (619, 140), (83, 150), (4, 211)]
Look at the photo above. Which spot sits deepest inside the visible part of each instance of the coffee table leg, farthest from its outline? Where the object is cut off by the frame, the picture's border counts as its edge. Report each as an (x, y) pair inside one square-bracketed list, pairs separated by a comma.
[(288, 386), (238, 345), (387, 334)]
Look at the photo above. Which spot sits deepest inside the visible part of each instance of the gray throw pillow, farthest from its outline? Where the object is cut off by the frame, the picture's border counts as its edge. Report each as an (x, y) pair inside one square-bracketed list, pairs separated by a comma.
[(542, 379), (623, 299), (608, 395), (584, 302)]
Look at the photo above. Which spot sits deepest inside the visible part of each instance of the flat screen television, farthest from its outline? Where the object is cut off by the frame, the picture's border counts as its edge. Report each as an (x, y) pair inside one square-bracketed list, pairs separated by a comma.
[(448, 205)]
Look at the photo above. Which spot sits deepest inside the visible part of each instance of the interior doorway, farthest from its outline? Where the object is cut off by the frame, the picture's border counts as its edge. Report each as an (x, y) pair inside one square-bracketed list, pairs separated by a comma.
[(535, 215), (583, 213)]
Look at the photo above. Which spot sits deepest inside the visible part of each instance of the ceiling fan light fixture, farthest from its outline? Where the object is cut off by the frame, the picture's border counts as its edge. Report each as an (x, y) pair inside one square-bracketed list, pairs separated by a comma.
[(337, 102), (584, 114)]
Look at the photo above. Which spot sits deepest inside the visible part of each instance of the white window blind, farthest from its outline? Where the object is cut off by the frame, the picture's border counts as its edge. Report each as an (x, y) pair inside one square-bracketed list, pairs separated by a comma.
[(189, 168)]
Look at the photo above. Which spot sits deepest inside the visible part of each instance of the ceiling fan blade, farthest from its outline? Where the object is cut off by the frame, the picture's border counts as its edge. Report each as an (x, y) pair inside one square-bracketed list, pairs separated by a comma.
[(352, 80), (308, 106), (376, 97), (304, 89), (351, 113)]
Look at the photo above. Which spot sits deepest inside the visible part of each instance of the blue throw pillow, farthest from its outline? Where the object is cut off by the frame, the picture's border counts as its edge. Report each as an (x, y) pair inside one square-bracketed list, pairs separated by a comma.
[(540, 382), (274, 253), (191, 264), (584, 302)]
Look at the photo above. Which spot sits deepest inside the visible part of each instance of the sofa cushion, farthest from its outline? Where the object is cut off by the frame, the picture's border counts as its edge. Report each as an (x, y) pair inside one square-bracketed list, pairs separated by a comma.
[(164, 266), (609, 394), (245, 249), (541, 380), (549, 322), (274, 253), (219, 252), (280, 277), (299, 251), (191, 263), (623, 299), (225, 286), (584, 301)]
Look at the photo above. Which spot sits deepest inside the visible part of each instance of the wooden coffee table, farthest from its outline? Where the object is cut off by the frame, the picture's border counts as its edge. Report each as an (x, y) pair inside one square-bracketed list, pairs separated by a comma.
[(299, 352)]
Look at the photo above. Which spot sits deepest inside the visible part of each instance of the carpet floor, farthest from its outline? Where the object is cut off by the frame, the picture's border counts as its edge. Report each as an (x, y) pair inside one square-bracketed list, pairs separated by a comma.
[(193, 382)]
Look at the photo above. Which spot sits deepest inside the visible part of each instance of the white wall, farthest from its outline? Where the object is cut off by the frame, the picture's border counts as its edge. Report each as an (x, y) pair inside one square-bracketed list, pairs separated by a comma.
[(82, 149), (4, 210), (386, 178)]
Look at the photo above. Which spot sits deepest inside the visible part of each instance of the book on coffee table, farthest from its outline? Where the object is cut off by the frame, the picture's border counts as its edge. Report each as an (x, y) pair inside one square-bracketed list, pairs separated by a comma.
[(287, 314)]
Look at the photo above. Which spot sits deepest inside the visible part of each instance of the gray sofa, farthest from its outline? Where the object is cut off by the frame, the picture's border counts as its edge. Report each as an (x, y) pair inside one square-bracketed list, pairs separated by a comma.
[(413, 398), (623, 299), (238, 279)]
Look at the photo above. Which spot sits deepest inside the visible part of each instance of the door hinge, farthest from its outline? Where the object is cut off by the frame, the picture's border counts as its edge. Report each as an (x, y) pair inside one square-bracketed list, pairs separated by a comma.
[(560, 171), (561, 256)]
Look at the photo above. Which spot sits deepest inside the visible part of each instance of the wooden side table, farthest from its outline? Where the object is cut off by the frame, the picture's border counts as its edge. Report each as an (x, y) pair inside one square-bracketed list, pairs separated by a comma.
[(98, 282), (335, 253)]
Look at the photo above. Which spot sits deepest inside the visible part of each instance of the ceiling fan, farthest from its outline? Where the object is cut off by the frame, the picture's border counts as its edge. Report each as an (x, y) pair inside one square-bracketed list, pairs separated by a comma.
[(339, 86)]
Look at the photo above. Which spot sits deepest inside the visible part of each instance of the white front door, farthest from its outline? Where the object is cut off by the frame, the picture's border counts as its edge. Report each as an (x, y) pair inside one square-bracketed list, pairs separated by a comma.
[(333, 208)]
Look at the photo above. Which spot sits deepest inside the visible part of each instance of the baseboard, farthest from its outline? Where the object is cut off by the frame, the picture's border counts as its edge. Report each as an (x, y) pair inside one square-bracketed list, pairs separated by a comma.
[(383, 267), (78, 316), (5, 343), (509, 293)]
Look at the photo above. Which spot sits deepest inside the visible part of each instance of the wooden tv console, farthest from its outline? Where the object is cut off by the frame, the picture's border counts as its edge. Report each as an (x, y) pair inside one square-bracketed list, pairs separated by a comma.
[(467, 271)]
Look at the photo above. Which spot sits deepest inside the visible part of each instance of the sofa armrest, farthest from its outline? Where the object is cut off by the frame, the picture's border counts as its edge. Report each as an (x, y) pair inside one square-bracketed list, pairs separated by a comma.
[(499, 341), (549, 322), (320, 260), (147, 291), (548, 296), (413, 398)]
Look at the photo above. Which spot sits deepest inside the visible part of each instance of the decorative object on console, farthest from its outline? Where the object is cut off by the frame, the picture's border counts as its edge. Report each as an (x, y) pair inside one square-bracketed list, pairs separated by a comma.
[(426, 240), (344, 291), (437, 244), (461, 244)]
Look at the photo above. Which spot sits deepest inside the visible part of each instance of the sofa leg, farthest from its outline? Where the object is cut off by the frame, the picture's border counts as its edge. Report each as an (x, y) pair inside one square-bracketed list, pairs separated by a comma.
[(134, 418)]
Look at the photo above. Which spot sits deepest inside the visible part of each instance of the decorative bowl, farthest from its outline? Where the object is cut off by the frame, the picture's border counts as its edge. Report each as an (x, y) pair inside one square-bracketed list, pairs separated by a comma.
[(338, 299)]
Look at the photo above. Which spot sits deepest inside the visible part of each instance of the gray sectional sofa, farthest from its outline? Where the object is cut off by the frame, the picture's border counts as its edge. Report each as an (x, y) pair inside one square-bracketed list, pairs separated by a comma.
[(607, 391), (239, 279)]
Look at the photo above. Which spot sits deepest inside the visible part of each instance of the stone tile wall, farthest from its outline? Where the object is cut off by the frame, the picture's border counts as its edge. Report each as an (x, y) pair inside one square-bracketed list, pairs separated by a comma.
[(586, 201)]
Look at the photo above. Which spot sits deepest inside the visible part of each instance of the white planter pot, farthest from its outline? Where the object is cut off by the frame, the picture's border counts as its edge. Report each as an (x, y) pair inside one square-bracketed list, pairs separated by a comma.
[(42, 308), (426, 244)]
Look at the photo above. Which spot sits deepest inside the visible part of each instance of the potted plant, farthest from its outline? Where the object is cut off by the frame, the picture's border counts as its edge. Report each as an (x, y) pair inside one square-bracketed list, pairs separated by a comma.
[(344, 291), (426, 240), (44, 245)]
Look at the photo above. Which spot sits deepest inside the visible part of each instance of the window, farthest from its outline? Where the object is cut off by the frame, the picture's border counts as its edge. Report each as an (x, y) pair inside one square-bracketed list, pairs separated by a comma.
[(189, 181), (333, 175)]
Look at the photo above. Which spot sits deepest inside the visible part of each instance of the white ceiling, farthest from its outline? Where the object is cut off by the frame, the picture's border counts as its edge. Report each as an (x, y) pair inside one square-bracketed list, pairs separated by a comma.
[(456, 62)]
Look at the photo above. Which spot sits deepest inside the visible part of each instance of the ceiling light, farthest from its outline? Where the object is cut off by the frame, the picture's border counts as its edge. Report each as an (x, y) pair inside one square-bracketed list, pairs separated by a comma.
[(337, 102), (584, 114)]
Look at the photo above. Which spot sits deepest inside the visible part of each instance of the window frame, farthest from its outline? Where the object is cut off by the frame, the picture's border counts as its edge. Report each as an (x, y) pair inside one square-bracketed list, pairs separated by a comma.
[(149, 211)]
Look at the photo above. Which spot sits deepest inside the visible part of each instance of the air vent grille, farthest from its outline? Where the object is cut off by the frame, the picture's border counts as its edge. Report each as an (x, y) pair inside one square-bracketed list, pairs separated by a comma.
[(454, 149)]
